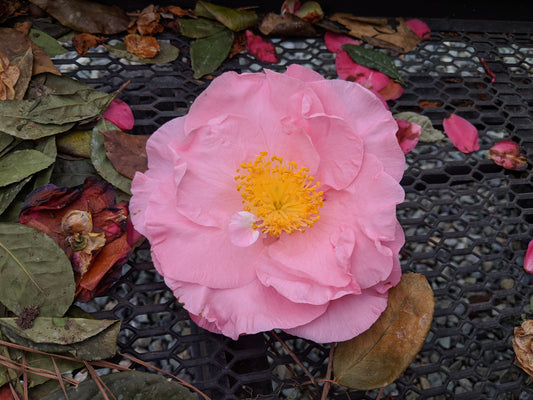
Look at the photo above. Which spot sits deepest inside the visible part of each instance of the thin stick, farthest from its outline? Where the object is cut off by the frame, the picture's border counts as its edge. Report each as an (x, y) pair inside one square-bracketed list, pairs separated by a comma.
[(14, 392), (327, 385), (380, 393), (181, 381), (488, 71), (24, 376), (96, 378), (8, 363), (294, 357), (60, 378)]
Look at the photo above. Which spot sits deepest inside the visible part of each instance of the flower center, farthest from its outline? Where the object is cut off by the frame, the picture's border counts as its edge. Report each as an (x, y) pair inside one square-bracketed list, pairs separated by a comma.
[(283, 197)]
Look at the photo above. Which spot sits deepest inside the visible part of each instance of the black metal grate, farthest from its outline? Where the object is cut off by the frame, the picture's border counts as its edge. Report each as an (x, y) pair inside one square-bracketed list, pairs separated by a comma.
[(467, 224)]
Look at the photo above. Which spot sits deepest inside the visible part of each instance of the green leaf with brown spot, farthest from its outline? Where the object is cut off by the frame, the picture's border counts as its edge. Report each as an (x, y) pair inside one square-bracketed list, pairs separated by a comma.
[(207, 54), (18, 165)]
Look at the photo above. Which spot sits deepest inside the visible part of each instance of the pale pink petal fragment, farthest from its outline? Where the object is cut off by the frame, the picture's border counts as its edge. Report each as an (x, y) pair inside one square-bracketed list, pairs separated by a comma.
[(260, 48), (241, 229), (408, 135), (509, 155), (334, 41), (120, 114), (462, 133), (528, 260), (419, 27)]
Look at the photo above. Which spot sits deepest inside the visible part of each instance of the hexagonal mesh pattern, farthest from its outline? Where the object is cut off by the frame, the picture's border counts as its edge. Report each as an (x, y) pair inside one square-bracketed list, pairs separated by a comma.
[(466, 222)]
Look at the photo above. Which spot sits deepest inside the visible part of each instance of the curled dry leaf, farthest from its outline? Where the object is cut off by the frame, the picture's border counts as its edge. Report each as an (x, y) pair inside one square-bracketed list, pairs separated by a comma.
[(523, 346), (509, 155), (84, 41), (147, 23), (289, 25), (126, 152), (142, 46), (9, 74), (378, 356)]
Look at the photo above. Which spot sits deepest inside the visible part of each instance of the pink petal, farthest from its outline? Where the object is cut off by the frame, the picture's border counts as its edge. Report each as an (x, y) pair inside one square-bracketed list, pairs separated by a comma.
[(120, 114), (509, 154), (528, 260), (260, 48), (419, 27), (462, 133), (344, 319), (334, 41), (408, 135), (241, 229)]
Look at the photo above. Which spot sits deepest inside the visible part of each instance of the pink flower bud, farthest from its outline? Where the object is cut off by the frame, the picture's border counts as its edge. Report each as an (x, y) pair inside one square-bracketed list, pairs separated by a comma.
[(528, 260), (462, 133), (310, 11), (508, 154)]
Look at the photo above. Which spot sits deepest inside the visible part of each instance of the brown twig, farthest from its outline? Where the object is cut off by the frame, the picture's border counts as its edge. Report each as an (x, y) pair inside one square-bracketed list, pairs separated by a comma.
[(10, 364), (59, 378), (181, 381), (380, 393), (14, 392), (24, 376), (327, 384), (487, 70), (294, 357), (99, 382)]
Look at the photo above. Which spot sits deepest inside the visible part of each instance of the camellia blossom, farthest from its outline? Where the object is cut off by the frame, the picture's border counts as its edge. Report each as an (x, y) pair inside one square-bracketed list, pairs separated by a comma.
[(272, 204), (462, 133), (89, 226)]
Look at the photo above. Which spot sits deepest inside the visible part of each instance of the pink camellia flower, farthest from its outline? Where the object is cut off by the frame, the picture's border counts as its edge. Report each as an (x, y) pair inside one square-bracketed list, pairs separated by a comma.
[(528, 260), (408, 135), (509, 155), (462, 133), (272, 204), (419, 27), (120, 114)]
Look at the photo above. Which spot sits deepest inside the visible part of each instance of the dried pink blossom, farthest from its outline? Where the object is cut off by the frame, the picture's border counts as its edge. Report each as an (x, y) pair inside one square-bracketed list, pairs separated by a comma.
[(462, 133), (509, 155), (260, 48)]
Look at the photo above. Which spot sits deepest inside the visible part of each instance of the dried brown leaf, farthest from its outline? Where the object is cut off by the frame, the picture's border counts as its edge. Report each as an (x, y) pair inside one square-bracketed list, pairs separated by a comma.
[(239, 44), (523, 346), (175, 10), (378, 356), (126, 152), (142, 46), (289, 25), (84, 41), (9, 74), (377, 32), (147, 23)]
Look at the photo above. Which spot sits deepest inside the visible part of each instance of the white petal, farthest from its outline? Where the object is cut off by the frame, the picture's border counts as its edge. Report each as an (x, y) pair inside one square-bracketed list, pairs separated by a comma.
[(240, 229)]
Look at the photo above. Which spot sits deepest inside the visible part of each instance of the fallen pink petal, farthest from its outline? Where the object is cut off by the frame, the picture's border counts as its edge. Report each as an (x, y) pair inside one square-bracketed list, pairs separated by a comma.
[(120, 114), (419, 27), (509, 155), (528, 260), (334, 41), (462, 133), (297, 258), (260, 48), (408, 135)]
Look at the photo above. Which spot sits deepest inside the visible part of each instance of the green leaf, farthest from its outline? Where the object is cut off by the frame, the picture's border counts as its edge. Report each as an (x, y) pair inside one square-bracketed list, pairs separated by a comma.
[(5, 141), (34, 270), (85, 339), (428, 133), (7, 374), (236, 20), (9, 193), (20, 164), (69, 173), (207, 54), (199, 28), (76, 143), (374, 59), (46, 42), (132, 385), (379, 355), (48, 147), (167, 53), (100, 161), (45, 362)]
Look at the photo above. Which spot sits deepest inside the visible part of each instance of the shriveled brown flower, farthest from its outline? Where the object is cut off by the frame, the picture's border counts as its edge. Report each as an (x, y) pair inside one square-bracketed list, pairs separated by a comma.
[(9, 75), (523, 346), (84, 41), (142, 46)]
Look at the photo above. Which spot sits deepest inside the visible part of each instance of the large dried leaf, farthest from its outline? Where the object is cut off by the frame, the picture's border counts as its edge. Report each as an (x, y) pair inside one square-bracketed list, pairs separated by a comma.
[(70, 173), (46, 42), (378, 32), (85, 339), (428, 134), (207, 54), (101, 162), (24, 62), (126, 152), (35, 271), (236, 20), (289, 25), (128, 385), (45, 362), (378, 356), (523, 346), (199, 28), (49, 148), (9, 193), (6, 142), (20, 164), (42, 62), (86, 16), (76, 143), (167, 53)]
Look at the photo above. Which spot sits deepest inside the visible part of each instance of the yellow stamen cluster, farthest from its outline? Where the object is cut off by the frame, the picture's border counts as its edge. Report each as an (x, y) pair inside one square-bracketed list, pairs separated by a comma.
[(283, 197)]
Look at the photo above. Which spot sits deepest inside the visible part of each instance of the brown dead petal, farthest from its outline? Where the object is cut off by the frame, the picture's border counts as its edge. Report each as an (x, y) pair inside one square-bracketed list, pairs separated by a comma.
[(148, 23), (42, 61), (239, 44), (523, 346), (23, 27), (11, 8), (9, 74), (142, 46), (84, 41), (290, 25), (126, 152), (175, 10), (400, 38)]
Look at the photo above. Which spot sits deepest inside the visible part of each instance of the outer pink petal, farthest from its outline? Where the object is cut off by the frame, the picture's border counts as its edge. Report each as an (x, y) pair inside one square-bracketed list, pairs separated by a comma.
[(408, 135), (344, 319), (260, 48), (120, 114), (248, 309), (462, 133), (419, 27), (528, 260), (302, 73), (334, 41)]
